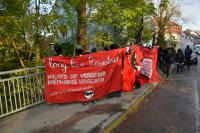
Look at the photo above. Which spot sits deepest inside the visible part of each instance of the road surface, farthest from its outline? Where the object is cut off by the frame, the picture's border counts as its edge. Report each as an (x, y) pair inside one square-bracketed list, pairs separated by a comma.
[(172, 107)]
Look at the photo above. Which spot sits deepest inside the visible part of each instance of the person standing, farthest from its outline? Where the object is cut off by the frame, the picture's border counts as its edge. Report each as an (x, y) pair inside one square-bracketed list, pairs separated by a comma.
[(166, 62), (160, 57), (188, 53), (94, 50), (173, 55), (78, 51), (57, 48), (180, 61)]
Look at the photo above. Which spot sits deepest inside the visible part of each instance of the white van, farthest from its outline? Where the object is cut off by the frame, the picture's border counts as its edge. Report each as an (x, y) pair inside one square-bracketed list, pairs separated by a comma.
[(197, 49)]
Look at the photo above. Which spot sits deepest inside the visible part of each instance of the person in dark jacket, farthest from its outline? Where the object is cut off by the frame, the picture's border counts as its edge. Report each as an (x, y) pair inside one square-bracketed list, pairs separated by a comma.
[(188, 53), (180, 61), (114, 46), (173, 55), (57, 50), (106, 49), (160, 57), (94, 50), (78, 51), (166, 62)]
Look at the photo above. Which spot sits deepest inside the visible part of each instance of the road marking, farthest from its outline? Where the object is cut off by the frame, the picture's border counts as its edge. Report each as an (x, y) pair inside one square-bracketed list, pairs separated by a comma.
[(130, 110), (181, 78), (197, 107)]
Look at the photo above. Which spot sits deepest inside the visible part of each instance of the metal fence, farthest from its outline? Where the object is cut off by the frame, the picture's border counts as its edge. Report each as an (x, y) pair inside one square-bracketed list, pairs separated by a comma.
[(21, 89)]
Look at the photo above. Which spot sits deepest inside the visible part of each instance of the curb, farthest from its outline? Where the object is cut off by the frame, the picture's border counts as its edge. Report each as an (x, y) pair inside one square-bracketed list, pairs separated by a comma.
[(131, 109)]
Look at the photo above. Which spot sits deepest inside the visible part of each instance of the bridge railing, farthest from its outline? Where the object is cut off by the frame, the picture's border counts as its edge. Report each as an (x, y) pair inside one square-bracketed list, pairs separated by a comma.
[(21, 89)]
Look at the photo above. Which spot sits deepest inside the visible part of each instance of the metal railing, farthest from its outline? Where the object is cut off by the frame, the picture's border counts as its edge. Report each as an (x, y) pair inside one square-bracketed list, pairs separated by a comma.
[(21, 89)]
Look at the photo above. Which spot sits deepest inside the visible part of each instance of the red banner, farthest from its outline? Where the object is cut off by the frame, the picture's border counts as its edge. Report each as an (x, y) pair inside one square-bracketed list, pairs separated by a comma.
[(149, 66), (132, 65), (84, 78)]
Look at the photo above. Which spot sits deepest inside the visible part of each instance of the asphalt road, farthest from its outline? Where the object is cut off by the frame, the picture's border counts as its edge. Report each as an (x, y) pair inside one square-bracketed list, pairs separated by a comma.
[(172, 107)]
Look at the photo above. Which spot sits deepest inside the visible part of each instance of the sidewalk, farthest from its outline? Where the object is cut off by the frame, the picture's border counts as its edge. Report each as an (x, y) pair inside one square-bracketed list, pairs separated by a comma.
[(72, 118)]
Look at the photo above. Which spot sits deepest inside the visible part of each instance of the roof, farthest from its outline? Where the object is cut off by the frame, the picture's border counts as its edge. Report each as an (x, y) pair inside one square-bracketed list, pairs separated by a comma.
[(192, 33), (172, 27)]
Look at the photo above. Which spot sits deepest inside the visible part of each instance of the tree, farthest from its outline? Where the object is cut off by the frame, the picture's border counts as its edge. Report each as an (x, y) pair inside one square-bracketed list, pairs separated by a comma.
[(82, 24), (25, 25), (74, 17), (166, 10), (21, 27), (41, 22), (10, 31), (113, 20), (123, 17)]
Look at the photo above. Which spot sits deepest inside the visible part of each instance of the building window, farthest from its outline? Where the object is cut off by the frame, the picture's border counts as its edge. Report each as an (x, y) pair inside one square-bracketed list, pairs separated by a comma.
[(64, 34)]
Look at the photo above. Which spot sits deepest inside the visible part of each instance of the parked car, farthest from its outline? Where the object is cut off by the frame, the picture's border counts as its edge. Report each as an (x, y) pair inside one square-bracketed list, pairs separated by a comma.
[(197, 49), (198, 52), (194, 59)]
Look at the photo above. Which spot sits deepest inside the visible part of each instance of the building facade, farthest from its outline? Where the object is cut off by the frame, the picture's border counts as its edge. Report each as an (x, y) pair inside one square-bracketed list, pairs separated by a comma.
[(187, 39), (196, 35), (173, 33), (190, 38)]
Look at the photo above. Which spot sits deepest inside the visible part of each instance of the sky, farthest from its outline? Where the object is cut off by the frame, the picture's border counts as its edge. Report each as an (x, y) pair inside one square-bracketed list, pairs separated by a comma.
[(191, 9), (45, 8)]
